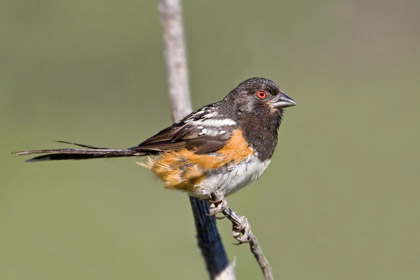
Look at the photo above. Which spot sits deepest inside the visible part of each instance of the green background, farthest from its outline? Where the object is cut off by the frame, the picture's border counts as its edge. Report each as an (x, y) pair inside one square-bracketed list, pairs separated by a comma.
[(339, 201)]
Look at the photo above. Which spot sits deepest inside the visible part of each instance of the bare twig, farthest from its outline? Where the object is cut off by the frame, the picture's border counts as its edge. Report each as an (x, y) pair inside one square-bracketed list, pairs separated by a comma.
[(208, 237), (175, 56), (237, 222), (241, 230)]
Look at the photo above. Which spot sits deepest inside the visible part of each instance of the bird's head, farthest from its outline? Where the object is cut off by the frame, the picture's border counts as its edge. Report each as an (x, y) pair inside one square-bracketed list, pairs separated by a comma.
[(259, 96)]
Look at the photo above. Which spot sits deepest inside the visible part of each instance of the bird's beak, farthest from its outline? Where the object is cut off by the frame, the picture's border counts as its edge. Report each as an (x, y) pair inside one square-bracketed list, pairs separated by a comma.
[(283, 101)]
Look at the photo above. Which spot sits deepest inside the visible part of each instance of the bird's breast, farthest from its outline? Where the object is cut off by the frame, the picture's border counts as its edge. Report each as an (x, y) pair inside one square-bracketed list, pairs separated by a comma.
[(228, 169), (233, 177)]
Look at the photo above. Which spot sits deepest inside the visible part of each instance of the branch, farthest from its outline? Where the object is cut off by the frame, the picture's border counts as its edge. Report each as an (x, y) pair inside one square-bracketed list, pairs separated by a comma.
[(208, 237), (238, 224), (175, 57), (241, 230)]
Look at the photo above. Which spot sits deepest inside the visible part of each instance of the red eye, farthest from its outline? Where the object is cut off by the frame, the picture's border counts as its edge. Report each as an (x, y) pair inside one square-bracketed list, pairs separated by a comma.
[(261, 94)]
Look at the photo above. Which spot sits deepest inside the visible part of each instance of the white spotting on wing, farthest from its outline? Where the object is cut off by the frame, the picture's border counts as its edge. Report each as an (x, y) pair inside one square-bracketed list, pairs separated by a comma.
[(215, 122), (214, 132), (210, 132), (210, 115)]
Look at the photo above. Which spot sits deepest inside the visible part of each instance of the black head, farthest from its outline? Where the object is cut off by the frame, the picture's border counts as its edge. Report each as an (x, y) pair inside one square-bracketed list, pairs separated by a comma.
[(259, 96), (256, 105)]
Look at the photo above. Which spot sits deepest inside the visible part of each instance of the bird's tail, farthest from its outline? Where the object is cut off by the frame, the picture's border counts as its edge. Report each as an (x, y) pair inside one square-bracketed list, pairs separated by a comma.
[(87, 153)]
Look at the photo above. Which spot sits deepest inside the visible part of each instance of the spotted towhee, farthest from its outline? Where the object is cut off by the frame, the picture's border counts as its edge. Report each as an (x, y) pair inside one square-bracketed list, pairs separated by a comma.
[(221, 147)]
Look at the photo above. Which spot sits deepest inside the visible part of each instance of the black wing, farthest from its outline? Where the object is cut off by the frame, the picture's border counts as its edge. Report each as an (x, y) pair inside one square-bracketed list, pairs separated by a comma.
[(190, 134)]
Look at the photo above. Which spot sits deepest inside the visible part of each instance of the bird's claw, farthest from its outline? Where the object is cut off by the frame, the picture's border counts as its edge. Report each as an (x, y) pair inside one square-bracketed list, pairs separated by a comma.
[(218, 204), (242, 232)]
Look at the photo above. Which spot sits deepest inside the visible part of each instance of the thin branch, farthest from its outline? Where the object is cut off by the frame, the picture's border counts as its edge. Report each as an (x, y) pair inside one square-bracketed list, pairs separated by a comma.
[(175, 57), (238, 223), (208, 237), (241, 230)]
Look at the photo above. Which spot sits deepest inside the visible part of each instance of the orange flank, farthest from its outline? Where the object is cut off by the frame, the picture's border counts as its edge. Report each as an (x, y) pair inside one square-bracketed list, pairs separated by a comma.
[(184, 169)]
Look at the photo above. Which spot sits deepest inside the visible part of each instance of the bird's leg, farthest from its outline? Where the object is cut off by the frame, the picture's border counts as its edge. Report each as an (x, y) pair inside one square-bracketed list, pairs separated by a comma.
[(218, 204), (241, 229)]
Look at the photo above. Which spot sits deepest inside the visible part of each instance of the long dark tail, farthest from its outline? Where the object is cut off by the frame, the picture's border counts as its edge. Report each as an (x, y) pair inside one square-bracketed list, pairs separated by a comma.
[(87, 153)]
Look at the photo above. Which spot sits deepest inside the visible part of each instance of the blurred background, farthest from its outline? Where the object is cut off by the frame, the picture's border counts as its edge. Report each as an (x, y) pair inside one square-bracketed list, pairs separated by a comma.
[(339, 201)]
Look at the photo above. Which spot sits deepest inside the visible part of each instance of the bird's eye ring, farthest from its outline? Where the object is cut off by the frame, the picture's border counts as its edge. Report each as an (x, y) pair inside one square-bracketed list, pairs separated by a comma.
[(261, 94)]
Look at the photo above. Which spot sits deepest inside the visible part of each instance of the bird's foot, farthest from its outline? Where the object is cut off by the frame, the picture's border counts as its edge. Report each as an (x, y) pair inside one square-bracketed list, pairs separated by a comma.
[(218, 204), (242, 231)]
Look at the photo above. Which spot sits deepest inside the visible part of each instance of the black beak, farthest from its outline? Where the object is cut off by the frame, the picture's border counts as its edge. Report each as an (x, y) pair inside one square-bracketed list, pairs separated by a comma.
[(283, 101)]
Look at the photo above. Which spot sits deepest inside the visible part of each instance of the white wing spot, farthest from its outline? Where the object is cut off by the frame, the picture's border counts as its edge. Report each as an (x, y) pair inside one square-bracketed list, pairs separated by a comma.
[(212, 132), (218, 122), (210, 115), (211, 122)]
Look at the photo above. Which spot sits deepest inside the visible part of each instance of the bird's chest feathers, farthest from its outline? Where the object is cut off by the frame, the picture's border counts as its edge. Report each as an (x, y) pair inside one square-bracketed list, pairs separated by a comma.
[(234, 177), (230, 167), (263, 141)]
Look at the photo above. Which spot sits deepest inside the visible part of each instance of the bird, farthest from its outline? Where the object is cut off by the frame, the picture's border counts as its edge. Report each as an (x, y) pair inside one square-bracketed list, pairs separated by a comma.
[(217, 149)]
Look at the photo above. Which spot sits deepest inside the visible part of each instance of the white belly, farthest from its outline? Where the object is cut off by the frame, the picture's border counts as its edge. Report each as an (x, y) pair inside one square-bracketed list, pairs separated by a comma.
[(234, 178)]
